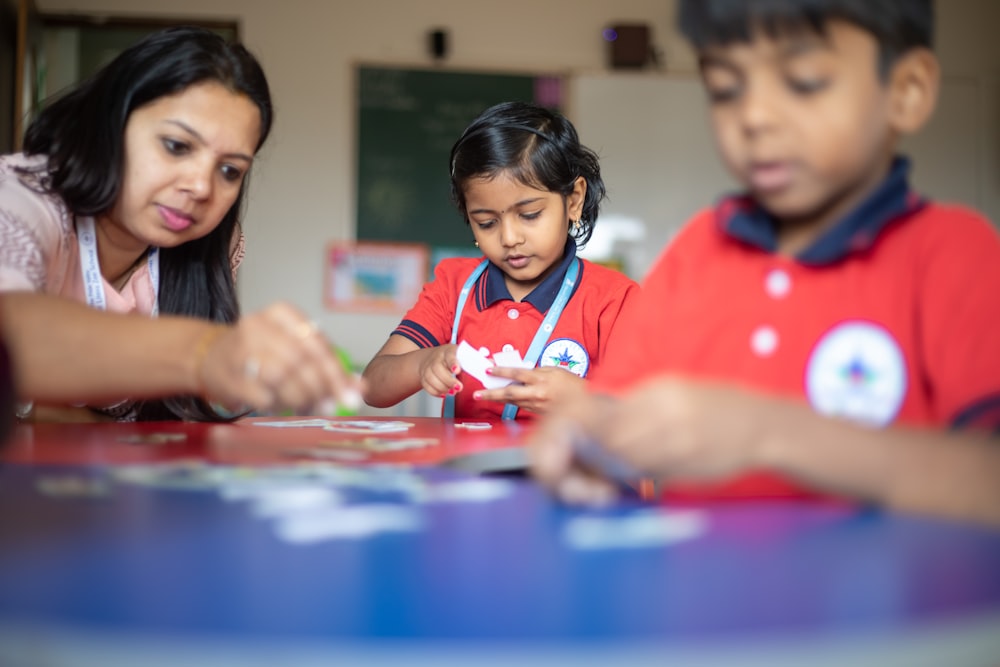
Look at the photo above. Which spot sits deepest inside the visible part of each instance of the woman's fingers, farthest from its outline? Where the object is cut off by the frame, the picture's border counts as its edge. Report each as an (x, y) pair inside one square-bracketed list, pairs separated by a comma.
[(278, 359)]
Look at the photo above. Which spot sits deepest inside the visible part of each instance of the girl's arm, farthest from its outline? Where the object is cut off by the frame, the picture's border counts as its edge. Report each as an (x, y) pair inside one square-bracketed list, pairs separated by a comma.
[(66, 352), (400, 369)]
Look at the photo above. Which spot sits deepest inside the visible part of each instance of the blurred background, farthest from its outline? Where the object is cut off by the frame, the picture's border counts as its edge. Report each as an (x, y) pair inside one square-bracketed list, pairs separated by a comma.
[(619, 70)]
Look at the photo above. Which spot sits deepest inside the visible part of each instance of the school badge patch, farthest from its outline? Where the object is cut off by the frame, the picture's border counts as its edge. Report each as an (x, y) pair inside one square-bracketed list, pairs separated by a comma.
[(566, 353), (857, 371)]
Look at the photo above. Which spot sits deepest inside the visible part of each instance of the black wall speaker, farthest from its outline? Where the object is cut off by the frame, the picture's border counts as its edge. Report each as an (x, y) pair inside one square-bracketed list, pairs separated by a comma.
[(628, 45), (438, 43)]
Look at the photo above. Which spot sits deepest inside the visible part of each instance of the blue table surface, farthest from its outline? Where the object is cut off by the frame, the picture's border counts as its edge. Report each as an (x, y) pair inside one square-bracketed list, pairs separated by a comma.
[(191, 562)]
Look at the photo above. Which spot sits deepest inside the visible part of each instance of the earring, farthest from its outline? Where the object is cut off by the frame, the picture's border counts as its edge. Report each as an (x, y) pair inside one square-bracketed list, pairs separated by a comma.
[(577, 224), (477, 244)]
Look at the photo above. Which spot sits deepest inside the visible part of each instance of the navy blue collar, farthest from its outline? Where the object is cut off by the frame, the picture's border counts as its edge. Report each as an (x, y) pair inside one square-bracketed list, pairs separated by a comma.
[(742, 219), (491, 286)]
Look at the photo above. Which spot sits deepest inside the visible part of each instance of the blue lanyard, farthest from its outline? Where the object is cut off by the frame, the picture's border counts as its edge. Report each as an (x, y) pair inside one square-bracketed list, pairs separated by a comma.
[(541, 336), (91, 270)]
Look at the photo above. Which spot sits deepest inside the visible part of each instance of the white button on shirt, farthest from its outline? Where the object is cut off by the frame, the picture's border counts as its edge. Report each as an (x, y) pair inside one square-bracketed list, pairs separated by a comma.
[(764, 341), (777, 284)]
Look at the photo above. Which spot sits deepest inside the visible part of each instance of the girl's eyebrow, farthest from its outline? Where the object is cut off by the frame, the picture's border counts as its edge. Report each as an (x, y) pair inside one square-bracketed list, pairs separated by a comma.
[(523, 202), (194, 133)]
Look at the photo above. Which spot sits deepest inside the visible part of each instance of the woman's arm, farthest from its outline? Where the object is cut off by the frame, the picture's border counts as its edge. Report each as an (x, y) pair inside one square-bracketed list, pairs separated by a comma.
[(66, 352)]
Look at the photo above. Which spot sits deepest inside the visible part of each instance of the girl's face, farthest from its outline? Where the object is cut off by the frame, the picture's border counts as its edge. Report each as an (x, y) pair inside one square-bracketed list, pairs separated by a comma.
[(519, 228), (185, 159)]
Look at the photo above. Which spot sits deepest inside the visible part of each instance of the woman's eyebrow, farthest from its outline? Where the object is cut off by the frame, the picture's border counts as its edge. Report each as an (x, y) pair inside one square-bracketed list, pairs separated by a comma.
[(194, 133)]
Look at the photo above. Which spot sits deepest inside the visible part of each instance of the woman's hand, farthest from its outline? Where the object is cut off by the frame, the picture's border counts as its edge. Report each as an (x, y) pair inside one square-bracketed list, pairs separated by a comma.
[(274, 359)]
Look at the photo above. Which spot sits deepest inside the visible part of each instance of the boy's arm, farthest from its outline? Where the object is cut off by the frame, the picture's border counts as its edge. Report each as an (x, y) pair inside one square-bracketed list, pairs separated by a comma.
[(672, 427), (395, 372), (949, 474), (66, 352)]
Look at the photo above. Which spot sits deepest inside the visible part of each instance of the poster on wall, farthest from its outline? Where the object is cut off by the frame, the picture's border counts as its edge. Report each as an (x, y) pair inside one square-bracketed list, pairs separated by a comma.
[(374, 277)]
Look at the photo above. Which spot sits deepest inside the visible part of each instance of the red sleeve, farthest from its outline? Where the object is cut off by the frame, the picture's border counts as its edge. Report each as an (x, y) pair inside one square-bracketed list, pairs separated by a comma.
[(609, 319), (637, 349), (428, 323), (959, 316)]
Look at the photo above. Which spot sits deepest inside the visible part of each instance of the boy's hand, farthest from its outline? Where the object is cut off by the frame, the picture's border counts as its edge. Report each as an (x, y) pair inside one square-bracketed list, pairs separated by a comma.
[(438, 370), (552, 458), (673, 427), (665, 428), (537, 389)]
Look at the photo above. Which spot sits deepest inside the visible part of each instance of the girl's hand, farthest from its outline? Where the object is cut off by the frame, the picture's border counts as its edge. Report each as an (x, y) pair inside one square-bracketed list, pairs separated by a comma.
[(438, 369), (274, 359), (535, 389)]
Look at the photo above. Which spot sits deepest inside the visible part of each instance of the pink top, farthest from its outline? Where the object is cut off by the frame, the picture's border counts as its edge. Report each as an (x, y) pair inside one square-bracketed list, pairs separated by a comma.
[(39, 250)]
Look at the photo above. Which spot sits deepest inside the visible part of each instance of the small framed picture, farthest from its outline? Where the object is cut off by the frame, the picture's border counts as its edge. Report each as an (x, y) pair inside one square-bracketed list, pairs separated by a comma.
[(373, 276)]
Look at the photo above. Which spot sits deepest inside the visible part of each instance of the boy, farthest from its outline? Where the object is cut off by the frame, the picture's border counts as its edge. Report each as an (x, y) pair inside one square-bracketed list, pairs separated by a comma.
[(829, 325)]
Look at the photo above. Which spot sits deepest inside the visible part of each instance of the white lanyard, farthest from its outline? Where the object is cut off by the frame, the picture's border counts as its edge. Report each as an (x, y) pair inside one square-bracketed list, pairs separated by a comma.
[(90, 267), (541, 336)]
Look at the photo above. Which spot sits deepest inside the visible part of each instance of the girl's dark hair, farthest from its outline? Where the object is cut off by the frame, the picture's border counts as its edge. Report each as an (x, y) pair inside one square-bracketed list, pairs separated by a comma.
[(535, 146), (82, 133), (897, 25)]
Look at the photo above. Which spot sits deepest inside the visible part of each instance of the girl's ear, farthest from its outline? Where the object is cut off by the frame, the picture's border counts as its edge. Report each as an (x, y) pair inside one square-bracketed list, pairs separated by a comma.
[(576, 198), (913, 87)]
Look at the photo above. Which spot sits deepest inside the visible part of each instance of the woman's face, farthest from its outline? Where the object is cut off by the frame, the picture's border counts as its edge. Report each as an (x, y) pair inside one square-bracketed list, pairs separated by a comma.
[(186, 156)]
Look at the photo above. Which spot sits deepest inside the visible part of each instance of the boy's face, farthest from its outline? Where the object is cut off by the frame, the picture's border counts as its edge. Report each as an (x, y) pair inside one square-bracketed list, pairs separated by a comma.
[(803, 121)]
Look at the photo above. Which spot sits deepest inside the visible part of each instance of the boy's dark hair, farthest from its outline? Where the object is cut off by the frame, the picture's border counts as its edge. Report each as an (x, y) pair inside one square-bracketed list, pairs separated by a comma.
[(536, 146), (82, 133), (897, 25)]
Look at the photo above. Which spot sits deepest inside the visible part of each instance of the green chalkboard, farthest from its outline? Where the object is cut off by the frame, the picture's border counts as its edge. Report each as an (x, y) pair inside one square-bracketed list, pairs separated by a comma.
[(408, 120)]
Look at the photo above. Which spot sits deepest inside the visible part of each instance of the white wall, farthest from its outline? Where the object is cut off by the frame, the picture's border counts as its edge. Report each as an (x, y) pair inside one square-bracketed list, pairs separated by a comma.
[(302, 193)]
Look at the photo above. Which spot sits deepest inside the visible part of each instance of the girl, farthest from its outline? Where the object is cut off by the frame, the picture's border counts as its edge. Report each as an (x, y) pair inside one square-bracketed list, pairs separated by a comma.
[(127, 198), (531, 193)]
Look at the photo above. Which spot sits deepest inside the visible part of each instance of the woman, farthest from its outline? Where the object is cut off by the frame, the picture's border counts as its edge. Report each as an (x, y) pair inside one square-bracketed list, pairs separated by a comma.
[(127, 198)]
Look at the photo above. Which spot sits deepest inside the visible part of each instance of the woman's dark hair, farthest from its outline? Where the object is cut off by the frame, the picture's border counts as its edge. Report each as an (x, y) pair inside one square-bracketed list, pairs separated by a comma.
[(897, 25), (83, 131), (535, 146)]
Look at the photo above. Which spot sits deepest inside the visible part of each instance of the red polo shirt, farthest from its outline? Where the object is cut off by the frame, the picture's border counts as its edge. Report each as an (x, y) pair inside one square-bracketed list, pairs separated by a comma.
[(492, 319), (891, 316)]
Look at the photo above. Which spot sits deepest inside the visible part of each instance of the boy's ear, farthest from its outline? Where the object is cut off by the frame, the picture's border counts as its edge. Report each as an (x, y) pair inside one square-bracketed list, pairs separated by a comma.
[(913, 86)]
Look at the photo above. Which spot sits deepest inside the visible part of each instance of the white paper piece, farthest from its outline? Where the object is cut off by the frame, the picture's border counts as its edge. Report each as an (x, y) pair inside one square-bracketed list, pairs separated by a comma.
[(637, 530), (295, 423), (350, 523), (475, 364), (366, 426), (467, 491), (293, 501), (474, 426)]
